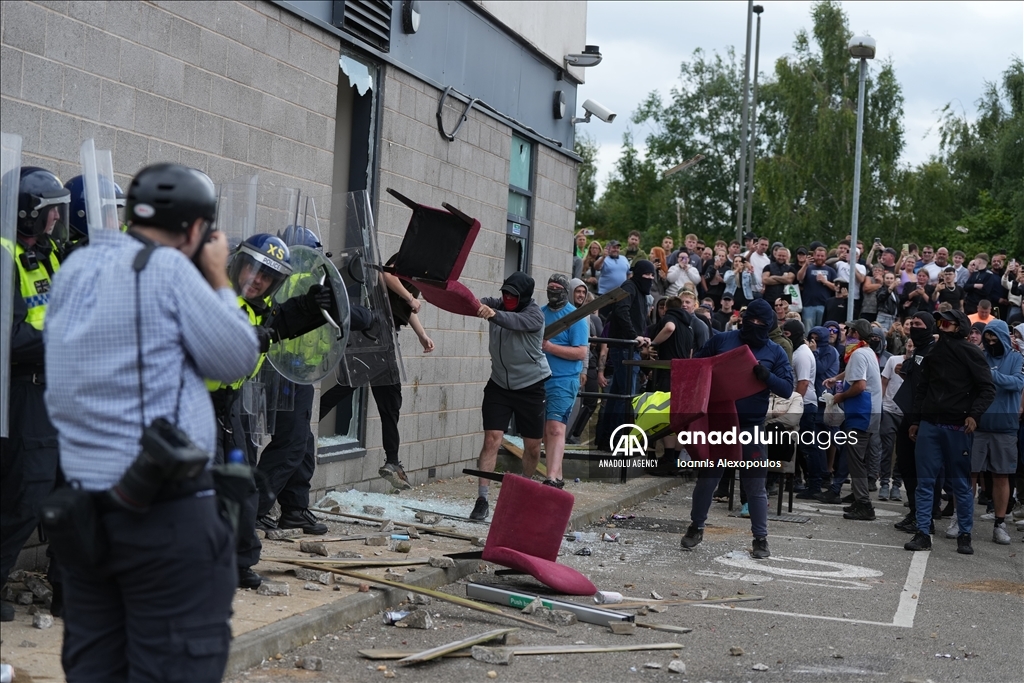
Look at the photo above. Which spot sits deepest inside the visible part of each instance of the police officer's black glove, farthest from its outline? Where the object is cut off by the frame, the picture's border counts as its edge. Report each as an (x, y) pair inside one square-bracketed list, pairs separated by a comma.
[(761, 373), (320, 296), (265, 335)]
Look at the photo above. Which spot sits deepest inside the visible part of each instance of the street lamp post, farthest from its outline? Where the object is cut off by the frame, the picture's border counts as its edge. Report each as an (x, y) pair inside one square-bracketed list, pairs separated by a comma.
[(863, 48), (742, 191), (752, 147)]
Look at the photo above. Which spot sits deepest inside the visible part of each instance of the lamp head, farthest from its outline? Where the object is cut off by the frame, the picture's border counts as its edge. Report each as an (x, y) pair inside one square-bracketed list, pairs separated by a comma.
[(862, 47)]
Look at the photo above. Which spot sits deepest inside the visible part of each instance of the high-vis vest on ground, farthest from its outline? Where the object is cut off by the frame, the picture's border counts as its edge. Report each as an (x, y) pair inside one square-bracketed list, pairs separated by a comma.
[(652, 411)]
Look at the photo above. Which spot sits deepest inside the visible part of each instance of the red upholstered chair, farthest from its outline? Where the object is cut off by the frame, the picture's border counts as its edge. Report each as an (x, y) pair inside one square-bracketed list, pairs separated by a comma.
[(526, 533), (434, 252), (704, 392)]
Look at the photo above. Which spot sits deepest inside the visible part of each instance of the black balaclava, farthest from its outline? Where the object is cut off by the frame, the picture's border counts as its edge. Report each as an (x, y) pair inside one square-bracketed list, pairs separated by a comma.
[(877, 343), (796, 333), (756, 336), (993, 344), (641, 268), (963, 326), (521, 285), (558, 298), (922, 337)]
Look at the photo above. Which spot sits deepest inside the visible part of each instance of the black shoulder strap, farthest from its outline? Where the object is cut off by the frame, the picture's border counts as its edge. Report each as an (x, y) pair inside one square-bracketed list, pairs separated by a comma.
[(142, 258)]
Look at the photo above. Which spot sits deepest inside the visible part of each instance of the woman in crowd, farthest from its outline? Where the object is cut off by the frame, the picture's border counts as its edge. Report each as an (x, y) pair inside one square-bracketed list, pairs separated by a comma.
[(591, 273)]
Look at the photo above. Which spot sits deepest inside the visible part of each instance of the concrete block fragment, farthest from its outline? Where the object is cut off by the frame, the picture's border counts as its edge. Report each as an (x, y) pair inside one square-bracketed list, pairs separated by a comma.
[(310, 586), (403, 547), (326, 578), (533, 606), (279, 534), (377, 540), (492, 655), (417, 619), (348, 554), (272, 588), (42, 620), (676, 667), (314, 547), (387, 526), (442, 562), (622, 628), (25, 598), (428, 518), (561, 617), (310, 663)]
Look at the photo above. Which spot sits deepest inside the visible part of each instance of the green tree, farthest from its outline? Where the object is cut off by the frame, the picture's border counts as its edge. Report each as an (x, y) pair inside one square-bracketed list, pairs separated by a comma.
[(804, 179), (636, 198), (587, 214)]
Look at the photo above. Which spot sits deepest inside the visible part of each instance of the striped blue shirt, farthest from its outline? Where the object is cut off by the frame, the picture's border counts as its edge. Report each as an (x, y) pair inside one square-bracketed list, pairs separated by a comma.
[(189, 332)]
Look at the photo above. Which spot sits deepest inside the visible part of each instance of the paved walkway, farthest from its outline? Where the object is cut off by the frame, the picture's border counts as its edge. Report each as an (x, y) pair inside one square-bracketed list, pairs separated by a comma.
[(267, 626)]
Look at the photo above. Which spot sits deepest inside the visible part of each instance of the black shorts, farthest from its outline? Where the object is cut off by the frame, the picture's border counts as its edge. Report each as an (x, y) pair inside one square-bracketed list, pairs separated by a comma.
[(527, 404)]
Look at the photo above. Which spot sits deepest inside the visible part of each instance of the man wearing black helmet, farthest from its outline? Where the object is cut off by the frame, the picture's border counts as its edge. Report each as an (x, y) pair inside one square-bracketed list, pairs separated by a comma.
[(158, 600), (78, 235), (29, 453)]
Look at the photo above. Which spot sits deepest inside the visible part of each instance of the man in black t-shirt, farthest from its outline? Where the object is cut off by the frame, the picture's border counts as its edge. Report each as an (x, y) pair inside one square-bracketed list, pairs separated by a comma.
[(947, 292), (777, 275), (723, 315)]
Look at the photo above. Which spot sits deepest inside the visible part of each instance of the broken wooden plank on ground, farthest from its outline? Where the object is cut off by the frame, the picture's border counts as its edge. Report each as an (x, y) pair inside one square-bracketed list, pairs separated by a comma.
[(515, 450), (517, 650), (439, 531), (349, 561), (332, 539), (442, 650), (446, 515), (645, 602), (445, 597), (663, 627)]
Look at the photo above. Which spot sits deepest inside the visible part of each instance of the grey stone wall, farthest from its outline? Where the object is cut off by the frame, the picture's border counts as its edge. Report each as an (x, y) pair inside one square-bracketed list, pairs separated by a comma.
[(440, 425), (231, 88)]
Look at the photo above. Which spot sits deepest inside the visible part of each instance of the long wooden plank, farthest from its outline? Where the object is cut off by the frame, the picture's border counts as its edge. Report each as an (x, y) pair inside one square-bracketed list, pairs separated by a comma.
[(446, 515), (409, 525), (442, 650), (350, 562), (439, 595), (664, 627), (646, 602), (565, 322), (519, 650), (518, 452)]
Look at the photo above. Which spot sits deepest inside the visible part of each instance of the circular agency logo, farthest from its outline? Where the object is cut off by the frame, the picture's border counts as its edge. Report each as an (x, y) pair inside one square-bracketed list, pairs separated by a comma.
[(628, 441)]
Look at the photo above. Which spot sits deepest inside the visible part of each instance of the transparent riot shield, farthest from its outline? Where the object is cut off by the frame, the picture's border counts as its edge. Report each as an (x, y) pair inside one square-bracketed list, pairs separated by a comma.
[(10, 179), (100, 194), (314, 355), (372, 356), (236, 209)]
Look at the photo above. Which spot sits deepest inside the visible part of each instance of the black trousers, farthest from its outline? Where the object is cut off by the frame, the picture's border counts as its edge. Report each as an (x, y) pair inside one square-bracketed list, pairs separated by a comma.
[(388, 398), (231, 434), (28, 468), (288, 461), (587, 405), (159, 609)]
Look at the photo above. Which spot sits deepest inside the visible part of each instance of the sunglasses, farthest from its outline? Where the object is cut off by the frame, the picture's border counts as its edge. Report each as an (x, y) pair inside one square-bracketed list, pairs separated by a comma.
[(947, 323)]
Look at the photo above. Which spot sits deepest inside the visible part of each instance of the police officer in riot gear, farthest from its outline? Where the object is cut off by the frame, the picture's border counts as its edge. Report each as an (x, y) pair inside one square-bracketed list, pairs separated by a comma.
[(258, 268), (78, 235), (29, 454)]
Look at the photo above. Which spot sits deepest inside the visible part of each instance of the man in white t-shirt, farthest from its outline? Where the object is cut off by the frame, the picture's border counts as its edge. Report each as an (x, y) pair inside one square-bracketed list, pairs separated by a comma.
[(803, 374), (891, 417), (862, 403), (843, 273), (759, 260)]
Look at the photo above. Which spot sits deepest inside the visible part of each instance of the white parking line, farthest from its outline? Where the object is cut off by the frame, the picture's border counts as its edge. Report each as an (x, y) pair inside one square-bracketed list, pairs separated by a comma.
[(911, 591)]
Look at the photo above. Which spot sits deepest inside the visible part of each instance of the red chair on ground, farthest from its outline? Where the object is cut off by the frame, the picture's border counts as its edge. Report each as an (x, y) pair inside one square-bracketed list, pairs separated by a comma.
[(434, 252), (526, 532)]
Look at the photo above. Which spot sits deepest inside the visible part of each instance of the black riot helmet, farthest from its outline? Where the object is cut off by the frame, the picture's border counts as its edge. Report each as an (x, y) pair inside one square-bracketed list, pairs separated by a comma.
[(170, 197), (39, 192)]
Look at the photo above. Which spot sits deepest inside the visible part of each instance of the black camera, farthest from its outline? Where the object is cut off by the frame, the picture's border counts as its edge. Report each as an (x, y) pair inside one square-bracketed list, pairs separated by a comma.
[(167, 456)]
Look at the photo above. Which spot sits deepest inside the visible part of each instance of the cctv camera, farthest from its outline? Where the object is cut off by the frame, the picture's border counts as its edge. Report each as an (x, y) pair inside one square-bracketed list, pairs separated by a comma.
[(592, 107)]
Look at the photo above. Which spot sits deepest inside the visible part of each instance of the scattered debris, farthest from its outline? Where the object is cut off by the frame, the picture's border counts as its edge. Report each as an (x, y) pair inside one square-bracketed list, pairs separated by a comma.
[(418, 619), (736, 651), (562, 617), (39, 588), (622, 628), (377, 540), (280, 534), (492, 674), (25, 598), (412, 533), (272, 588), (670, 628), (429, 518), (392, 575), (642, 611), (522, 650), (760, 667), (310, 663), (315, 547), (492, 655), (347, 554), (657, 609), (610, 538), (417, 599), (584, 552), (390, 618), (42, 621), (607, 597), (654, 594), (325, 578), (403, 547), (652, 665), (442, 562), (374, 510), (677, 667), (386, 527), (27, 643), (310, 586), (533, 606), (364, 588)]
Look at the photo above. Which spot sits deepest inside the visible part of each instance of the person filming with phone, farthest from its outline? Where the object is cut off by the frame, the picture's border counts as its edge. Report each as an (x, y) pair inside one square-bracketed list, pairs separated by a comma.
[(136, 322)]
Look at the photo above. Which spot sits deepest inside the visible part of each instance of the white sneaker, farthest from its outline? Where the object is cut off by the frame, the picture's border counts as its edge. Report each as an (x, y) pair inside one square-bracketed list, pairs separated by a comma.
[(1020, 525), (954, 529), (1018, 512), (1000, 536), (988, 516)]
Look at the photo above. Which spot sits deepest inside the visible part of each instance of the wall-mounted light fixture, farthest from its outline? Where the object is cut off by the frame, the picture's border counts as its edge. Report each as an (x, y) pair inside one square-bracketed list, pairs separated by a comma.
[(591, 56), (558, 108), (411, 16)]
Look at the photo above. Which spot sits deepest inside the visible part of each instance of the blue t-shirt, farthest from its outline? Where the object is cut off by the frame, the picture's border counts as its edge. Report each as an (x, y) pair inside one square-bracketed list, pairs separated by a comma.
[(577, 335), (613, 274), (813, 293)]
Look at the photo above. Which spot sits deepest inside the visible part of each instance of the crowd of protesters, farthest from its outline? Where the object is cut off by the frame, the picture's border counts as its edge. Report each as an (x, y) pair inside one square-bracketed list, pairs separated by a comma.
[(929, 368)]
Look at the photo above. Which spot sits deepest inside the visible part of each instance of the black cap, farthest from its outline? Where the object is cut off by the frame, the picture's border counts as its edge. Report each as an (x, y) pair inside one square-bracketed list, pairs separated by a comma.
[(614, 243), (890, 250), (801, 250), (727, 296), (749, 236), (861, 326)]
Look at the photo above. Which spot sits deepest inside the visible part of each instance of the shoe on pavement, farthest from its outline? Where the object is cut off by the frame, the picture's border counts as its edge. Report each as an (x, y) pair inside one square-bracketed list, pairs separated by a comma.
[(745, 510), (266, 522), (954, 529), (848, 498), (894, 494), (1018, 512), (572, 440), (808, 494), (555, 483), (948, 510), (919, 542), (692, 538), (1020, 525), (480, 510), (394, 474), (872, 485), (247, 578), (999, 534), (759, 549), (963, 544), (907, 524), (988, 516), (862, 512), (302, 519), (829, 497), (883, 492)]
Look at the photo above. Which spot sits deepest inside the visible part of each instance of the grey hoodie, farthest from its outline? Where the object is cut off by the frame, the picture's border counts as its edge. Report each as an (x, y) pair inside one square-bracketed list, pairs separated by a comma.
[(517, 360)]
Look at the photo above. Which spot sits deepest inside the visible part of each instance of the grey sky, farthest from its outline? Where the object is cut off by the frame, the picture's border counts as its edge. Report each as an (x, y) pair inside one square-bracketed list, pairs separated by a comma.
[(941, 52)]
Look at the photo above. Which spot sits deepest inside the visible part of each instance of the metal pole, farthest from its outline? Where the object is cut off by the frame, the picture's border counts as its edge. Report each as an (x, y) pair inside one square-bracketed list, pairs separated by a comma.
[(743, 135), (752, 151), (856, 188)]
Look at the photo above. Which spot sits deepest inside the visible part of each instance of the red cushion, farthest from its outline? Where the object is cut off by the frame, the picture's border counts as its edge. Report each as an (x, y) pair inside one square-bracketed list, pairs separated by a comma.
[(526, 533), (454, 297)]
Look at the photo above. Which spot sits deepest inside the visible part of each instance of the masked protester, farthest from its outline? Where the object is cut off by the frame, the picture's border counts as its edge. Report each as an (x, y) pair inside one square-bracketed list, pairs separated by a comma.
[(955, 390), (774, 371), (995, 443), (565, 352), (519, 370)]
